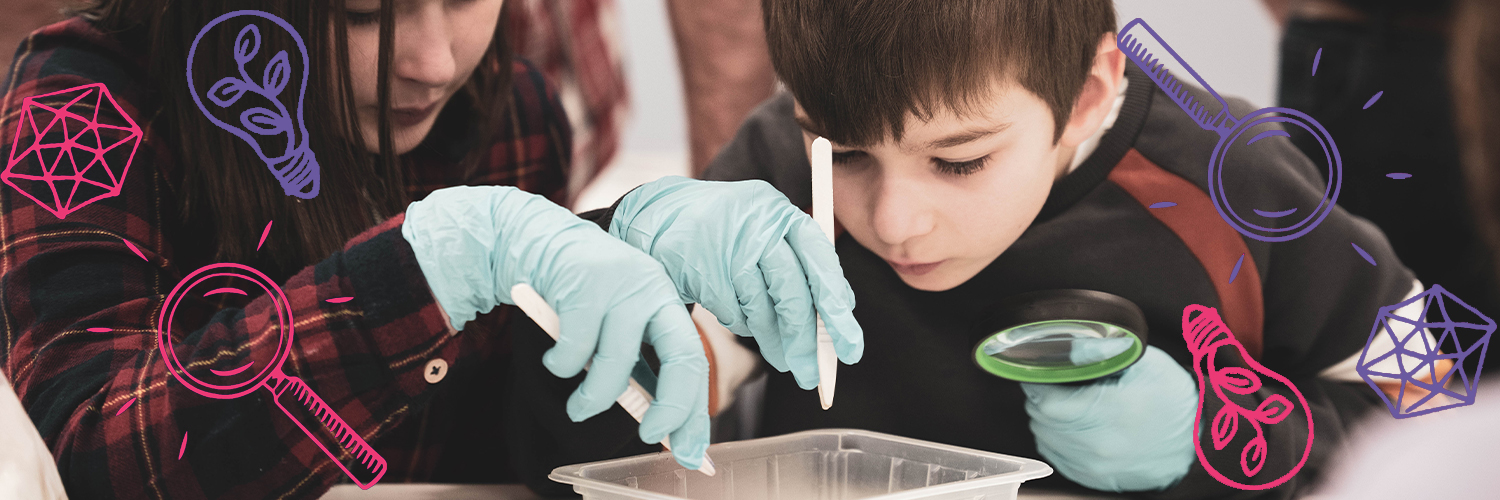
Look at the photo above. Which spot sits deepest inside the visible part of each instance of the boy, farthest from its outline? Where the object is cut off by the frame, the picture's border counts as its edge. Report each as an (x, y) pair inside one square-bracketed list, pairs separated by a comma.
[(985, 148)]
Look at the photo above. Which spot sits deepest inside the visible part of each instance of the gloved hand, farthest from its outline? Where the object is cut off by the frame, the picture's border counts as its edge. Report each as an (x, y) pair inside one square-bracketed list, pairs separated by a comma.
[(753, 259), (474, 243), (1132, 432)]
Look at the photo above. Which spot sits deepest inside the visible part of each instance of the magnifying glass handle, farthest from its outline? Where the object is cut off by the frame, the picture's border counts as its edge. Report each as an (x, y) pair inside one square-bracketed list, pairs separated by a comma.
[(292, 394), (1148, 51)]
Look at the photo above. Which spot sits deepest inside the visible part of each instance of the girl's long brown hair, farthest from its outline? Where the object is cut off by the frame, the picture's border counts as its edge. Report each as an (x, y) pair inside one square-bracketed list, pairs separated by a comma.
[(227, 191)]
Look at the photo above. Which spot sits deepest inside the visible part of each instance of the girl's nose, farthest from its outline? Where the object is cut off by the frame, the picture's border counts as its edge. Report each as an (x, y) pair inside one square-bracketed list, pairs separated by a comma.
[(424, 51)]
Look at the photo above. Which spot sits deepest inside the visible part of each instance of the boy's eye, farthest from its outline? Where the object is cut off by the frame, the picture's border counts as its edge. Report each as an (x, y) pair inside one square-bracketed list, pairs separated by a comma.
[(843, 157), (361, 18), (962, 167)]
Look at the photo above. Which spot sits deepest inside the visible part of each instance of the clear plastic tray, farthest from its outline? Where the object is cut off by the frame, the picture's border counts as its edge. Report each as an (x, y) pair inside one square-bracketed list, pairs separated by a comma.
[(829, 464)]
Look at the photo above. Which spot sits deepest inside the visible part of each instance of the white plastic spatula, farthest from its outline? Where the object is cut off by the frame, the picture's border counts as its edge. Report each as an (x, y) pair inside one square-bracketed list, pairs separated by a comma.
[(822, 199), (635, 400)]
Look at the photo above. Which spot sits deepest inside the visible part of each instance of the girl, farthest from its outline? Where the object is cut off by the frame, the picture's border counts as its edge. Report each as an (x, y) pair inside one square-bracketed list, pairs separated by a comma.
[(403, 99)]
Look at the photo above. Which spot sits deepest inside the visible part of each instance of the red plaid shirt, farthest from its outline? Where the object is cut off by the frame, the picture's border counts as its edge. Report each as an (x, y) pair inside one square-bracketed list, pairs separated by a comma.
[(364, 357)]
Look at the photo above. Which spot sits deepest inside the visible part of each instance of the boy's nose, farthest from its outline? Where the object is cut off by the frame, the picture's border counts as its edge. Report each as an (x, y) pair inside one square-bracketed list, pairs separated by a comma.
[(424, 54), (899, 214)]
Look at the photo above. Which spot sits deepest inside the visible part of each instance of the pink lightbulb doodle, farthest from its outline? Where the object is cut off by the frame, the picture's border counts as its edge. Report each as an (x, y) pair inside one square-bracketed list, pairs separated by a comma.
[(1207, 338), (289, 393)]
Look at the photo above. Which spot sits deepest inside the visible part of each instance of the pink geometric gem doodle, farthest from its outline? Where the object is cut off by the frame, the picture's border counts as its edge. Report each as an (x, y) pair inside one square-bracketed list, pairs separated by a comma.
[(1206, 334), (58, 157), (285, 390)]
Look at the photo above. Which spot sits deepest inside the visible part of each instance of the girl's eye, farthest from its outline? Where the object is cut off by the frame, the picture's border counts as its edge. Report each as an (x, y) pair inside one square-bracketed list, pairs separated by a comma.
[(362, 18), (845, 157), (962, 168)]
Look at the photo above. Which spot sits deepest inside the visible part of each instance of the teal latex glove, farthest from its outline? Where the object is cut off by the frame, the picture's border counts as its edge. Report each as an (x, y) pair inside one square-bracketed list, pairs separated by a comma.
[(753, 259), (1127, 433), (474, 243)]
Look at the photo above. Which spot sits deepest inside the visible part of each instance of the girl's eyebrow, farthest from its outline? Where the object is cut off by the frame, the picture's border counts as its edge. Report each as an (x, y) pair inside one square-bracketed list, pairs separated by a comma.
[(966, 137)]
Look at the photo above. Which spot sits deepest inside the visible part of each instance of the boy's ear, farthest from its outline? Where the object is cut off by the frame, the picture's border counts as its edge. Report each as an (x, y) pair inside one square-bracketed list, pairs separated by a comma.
[(1098, 94)]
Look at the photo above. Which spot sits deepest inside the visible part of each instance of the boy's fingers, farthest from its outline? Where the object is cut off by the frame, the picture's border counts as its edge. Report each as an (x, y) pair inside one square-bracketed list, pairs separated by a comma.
[(830, 291), (609, 375), (684, 372), (726, 307), (787, 285), (760, 316), (578, 336)]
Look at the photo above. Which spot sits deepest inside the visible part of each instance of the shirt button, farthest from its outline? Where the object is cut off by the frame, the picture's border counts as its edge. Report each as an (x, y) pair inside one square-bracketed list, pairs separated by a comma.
[(435, 371)]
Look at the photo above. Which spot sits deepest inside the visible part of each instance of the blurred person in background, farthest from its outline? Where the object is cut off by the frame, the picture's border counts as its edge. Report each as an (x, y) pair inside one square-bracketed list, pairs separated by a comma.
[(1448, 454), (1397, 47)]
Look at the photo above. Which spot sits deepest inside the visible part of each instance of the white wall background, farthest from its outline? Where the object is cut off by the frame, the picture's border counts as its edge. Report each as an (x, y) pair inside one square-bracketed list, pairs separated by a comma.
[(1230, 43)]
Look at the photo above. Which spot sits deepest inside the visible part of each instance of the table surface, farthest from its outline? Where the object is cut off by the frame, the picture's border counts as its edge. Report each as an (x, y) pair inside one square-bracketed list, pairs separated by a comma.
[(519, 492)]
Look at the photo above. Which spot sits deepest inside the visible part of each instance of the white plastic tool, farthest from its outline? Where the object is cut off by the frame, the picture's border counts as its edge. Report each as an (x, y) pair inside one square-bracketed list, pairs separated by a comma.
[(635, 400), (822, 199)]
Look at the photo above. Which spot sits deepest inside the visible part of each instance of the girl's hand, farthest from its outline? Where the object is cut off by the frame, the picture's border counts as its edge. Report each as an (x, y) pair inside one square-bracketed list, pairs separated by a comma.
[(475, 243), (753, 259)]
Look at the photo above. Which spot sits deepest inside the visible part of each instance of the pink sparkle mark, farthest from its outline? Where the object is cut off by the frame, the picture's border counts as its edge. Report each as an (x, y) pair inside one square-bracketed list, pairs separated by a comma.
[(101, 329), (59, 176), (226, 373), (263, 234), (124, 406), (134, 249), (226, 289), (184, 446), (339, 300)]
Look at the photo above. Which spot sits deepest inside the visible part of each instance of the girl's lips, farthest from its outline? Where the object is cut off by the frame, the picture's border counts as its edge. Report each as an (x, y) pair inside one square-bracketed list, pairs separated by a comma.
[(914, 269), (407, 117)]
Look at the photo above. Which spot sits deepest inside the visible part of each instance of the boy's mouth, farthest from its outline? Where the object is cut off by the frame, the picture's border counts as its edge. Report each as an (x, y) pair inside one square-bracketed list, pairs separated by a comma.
[(913, 268)]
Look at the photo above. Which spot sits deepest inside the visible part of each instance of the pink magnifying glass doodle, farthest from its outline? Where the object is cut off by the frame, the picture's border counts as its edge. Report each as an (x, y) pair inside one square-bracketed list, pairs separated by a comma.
[(263, 370)]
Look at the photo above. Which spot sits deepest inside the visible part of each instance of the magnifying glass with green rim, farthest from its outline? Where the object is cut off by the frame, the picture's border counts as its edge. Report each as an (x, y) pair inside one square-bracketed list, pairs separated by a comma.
[(1060, 336)]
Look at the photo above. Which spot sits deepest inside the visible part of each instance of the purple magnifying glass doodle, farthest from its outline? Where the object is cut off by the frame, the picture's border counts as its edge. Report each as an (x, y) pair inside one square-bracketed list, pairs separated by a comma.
[(262, 369), (1148, 51), (264, 121)]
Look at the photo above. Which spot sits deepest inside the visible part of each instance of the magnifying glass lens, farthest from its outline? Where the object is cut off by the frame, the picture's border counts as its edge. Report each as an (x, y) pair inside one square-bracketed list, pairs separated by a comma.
[(1059, 344)]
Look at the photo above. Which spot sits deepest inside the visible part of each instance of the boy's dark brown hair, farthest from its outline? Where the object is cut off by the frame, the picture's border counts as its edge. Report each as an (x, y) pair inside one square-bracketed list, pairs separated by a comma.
[(858, 67)]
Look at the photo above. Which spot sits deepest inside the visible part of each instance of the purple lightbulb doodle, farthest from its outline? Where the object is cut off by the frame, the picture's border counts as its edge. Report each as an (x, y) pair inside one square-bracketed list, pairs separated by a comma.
[(1148, 51), (264, 120)]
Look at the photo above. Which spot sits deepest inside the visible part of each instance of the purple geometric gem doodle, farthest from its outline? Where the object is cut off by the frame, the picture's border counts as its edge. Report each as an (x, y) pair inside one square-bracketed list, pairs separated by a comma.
[(1401, 351), (72, 147), (1148, 51), (295, 166)]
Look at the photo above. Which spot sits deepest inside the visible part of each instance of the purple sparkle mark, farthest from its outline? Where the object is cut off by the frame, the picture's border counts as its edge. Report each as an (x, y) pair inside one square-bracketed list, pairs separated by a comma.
[(1418, 370), (339, 300), (265, 232), (184, 446), (1236, 271), (101, 329), (124, 406), (134, 249), (1398, 175), (1317, 58), (1372, 100), (1163, 204), (1274, 215), (1362, 253)]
